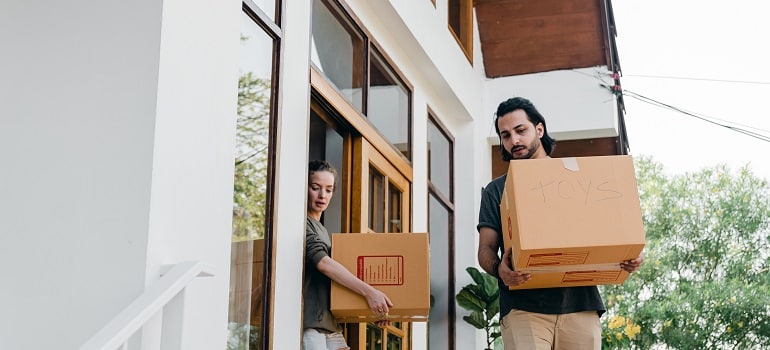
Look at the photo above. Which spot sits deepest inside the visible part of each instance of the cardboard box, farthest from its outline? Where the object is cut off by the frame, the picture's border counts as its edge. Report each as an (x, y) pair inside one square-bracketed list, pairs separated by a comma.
[(571, 221), (398, 264)]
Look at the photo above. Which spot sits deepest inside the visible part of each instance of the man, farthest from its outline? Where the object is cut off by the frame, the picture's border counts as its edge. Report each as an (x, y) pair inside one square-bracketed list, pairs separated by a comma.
[(549, 318)]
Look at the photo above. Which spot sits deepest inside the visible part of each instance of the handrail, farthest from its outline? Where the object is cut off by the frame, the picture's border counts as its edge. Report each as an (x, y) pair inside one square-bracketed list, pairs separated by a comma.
[(117, 332)]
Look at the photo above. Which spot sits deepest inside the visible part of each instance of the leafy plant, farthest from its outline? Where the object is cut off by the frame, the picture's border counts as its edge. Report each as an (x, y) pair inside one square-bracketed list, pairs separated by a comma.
[(482, 299)]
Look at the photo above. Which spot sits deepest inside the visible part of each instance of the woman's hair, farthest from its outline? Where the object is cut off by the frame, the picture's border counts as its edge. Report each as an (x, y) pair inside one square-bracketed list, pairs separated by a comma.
[(533, 115), (321, 165)]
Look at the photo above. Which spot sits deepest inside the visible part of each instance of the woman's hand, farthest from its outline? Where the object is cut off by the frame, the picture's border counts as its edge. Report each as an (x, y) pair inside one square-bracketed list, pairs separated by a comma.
[(379, 303)]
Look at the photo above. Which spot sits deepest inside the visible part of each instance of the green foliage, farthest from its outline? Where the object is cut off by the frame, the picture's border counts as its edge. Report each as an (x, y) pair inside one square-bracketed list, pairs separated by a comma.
[(482, 299), (704, 283), (251, 159), (242, 336)]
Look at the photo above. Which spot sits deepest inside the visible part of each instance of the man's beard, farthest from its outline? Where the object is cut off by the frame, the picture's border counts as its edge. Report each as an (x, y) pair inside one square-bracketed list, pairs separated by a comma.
[(530, 150)]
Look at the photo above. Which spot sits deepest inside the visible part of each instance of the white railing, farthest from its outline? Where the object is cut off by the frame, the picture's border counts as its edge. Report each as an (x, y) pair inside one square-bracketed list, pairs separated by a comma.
[(166, 294)]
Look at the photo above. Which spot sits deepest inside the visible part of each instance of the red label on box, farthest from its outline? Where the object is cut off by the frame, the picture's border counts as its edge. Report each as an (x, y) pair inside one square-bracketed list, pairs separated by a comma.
[(385, 270)]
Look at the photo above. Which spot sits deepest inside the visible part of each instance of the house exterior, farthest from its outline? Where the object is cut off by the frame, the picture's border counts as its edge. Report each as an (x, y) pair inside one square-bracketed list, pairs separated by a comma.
[(135, 136)]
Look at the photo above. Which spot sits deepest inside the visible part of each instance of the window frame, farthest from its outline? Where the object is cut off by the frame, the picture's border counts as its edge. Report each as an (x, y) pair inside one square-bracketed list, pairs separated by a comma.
[(447, 201), (274, 32), (326, 88), (465, 23)]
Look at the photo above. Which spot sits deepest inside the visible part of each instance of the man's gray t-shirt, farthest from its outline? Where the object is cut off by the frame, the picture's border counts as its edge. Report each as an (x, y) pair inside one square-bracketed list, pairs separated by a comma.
[(544, 300)]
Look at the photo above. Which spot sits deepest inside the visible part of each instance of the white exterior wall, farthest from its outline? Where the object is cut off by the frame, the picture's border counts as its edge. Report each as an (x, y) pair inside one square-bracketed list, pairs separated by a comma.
[(117, 124), (573, 103), (291, 184)]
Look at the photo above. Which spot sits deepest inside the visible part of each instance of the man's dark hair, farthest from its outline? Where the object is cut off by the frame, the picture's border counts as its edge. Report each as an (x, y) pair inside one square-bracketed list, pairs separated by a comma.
[(533, 115), (321, 165)]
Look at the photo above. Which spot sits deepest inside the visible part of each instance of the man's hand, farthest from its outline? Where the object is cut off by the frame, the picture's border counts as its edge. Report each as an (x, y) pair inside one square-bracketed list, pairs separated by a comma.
[(506, 273), (633, 265)]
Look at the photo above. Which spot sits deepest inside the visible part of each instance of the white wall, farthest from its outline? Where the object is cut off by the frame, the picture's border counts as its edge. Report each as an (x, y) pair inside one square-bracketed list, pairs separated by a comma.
[(291, 178), (573, 103), (116, 136)]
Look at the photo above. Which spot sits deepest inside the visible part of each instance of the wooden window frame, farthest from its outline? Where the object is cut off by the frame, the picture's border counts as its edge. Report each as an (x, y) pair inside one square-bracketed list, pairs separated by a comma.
[(465, 18)]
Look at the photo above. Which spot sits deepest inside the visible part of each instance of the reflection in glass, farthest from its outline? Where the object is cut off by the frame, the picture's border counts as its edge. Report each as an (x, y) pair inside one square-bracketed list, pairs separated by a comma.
[(337, 50), (373, 337), (250, 188), (394, 342), (326, 144), (394, 212), (439, 319), (439, 156), (376, 200), (388, 104)]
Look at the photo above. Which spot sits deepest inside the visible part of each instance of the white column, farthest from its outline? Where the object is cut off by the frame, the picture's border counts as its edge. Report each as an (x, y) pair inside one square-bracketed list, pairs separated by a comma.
[(291, 170)]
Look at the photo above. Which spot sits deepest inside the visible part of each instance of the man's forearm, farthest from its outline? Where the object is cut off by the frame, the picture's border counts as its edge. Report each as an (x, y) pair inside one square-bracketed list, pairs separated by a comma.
[(488, 260), (488, 246)]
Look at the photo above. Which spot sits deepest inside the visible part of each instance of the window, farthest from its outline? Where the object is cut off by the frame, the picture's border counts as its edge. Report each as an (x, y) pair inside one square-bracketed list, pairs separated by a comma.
[(461, 25), (360, 94), (372, 196), (361, 74), (268, 7), (388, 104), (441, 227), (253, 183), (338, 51)]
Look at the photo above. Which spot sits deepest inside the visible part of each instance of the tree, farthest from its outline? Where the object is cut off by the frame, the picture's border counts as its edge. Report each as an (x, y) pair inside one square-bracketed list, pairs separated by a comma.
[(250, 185), (705, 281)]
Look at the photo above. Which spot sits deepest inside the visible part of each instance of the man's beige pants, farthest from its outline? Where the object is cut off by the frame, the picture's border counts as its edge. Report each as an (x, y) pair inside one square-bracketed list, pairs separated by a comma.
[(522, 330)]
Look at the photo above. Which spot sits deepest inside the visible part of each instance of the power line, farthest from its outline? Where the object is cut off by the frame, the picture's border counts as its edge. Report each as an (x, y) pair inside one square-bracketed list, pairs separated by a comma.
[(760, 134), (698, 79), (642, 98)]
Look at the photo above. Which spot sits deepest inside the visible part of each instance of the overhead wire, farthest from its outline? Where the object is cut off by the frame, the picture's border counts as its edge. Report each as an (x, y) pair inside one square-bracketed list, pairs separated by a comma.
[(697, 79), (760, 134), (755, 134)]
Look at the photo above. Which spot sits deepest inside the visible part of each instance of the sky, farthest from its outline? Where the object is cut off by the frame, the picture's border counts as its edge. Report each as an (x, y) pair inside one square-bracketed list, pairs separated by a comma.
[(715, 57)]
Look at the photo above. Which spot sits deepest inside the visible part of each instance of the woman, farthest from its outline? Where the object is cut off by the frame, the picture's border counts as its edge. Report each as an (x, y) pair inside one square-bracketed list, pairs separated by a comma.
[(321, 331)]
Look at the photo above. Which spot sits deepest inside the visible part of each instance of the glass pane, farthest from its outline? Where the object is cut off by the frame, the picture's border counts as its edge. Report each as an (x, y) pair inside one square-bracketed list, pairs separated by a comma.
[(373, 337), (337, 49), (268, 7), (376, 200), (388, 105), (326, 144), (439, 156), (250, 188), (439, 321), (454, 7), (394, 212), (394, 342)]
